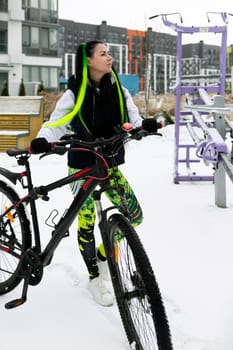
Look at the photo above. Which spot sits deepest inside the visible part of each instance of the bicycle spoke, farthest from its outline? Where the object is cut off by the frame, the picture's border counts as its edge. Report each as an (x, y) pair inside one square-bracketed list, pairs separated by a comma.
[(14, 237), (136, 297), (10, 254), (137, 292)]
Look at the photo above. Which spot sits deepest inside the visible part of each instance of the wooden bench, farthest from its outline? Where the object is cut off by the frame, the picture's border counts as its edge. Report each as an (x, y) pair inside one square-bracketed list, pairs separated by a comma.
[(20, 119)]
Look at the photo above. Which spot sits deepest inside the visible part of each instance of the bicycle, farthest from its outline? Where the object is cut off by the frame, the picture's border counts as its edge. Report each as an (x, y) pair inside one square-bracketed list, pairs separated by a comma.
[(136, 290)]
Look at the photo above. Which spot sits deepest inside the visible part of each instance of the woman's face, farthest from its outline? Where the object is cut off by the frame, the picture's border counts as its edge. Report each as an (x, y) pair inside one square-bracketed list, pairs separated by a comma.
[(100, 63)]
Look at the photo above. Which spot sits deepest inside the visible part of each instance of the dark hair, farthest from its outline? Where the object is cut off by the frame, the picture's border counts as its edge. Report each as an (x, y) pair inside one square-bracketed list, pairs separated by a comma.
[(84, 49), (90, 47)]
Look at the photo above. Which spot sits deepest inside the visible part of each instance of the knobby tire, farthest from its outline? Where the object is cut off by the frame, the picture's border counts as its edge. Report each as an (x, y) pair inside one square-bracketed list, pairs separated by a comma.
[(136, 289)]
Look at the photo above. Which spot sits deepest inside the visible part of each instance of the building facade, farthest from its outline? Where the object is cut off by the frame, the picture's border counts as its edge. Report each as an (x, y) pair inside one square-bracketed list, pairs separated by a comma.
[(136, 55), (71, 34), (160, 61), (131, 49), (29, 44), (200, 64), (35, 45)]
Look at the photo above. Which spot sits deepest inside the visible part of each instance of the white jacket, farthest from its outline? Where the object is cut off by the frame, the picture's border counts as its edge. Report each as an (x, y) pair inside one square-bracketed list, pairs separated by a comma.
[(66, 104)]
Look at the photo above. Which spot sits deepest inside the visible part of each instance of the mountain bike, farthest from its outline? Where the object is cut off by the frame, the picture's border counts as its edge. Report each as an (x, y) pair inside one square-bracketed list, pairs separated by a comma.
[(136, 290)]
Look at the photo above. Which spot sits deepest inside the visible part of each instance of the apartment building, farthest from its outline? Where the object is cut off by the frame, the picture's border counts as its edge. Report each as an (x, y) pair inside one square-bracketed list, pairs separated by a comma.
[(71, 34), (29, 44), (38, 46), (131, 50)]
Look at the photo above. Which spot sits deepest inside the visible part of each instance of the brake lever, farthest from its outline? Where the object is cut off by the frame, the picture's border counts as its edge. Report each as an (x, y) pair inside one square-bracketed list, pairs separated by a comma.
[(67, 137), (138, 133), (156, 133)]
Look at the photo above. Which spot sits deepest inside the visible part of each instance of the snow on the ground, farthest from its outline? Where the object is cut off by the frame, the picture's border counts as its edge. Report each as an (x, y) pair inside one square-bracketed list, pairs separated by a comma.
[(189, 241)]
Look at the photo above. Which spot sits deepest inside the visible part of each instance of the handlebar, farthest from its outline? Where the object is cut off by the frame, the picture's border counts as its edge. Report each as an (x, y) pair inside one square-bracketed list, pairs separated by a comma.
[(123, 135)]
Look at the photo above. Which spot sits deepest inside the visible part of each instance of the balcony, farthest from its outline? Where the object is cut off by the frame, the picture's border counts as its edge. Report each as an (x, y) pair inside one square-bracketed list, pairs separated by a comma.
[(40, 15), (30, 51)]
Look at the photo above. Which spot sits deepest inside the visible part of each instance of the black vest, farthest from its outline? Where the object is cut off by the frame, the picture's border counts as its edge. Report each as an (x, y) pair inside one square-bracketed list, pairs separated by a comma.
[(98, 117)]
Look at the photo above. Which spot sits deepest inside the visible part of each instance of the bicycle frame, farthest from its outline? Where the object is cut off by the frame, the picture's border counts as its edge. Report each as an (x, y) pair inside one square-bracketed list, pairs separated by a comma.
[(34, 259), (91, 176), (136, 290)]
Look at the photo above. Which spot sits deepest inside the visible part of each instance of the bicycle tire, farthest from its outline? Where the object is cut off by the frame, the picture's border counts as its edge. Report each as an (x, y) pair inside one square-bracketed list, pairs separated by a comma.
[(15, 238), (136, 290)]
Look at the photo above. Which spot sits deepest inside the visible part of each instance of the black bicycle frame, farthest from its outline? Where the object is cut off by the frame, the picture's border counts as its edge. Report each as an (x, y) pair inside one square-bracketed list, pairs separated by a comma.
[(66, 221), (92, 176)]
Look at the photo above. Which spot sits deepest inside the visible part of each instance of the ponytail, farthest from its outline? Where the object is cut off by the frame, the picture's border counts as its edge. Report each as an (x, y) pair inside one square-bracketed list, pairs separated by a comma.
[(81, 94)]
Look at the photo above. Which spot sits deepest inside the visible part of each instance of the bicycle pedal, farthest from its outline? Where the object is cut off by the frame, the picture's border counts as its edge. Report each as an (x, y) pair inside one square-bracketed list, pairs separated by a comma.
[(14, 303)]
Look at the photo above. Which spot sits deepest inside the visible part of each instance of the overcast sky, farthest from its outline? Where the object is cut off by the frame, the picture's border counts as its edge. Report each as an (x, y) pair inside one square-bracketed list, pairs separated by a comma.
[(135, 14)]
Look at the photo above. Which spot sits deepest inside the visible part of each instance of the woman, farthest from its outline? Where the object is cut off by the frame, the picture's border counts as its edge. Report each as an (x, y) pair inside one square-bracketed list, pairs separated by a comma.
[(93, 105)]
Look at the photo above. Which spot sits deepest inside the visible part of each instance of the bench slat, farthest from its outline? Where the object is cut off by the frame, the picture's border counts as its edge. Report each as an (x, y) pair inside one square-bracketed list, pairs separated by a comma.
[(20, 119)]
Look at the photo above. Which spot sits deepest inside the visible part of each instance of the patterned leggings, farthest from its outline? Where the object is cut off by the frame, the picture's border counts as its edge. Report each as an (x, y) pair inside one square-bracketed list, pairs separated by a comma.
[(87, 214)]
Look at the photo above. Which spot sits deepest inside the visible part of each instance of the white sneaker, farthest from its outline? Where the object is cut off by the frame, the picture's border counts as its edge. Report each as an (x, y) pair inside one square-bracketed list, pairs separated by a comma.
[(100, 292), (103, 270)]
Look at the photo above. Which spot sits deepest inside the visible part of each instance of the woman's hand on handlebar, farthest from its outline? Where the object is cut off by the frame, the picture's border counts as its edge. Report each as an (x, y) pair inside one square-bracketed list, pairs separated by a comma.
[(150, 125), (40, 145)]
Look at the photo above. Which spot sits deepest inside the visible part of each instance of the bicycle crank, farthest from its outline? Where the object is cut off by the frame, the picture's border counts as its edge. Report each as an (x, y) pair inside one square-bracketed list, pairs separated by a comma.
[(32, 272)]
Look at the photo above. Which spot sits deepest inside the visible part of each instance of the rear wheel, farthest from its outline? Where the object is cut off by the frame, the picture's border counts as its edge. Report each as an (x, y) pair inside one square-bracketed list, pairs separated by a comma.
[(137, 292), (15, 237)]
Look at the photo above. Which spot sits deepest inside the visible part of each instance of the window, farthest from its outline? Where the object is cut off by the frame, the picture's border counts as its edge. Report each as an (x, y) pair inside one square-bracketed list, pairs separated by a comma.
[(41, 10), (54, 5), (45, 75), (53, 77), (25, 3), (40, 41), (3, 77), (49, 75), (120, 57), (32, 14), (44, 16), (70, 64), (35, 3), (53, 39), (34, 37), (44, 4), (35, 74), (3, 41), (3, 5), (44, 38), (26, 74), (26, 36)]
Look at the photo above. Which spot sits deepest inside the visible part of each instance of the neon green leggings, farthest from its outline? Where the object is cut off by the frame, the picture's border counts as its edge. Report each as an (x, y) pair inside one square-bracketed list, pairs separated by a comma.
[(87, 215)]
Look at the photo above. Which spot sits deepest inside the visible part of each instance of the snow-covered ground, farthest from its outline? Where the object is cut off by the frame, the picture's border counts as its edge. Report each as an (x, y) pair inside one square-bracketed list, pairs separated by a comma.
[(188, 239)]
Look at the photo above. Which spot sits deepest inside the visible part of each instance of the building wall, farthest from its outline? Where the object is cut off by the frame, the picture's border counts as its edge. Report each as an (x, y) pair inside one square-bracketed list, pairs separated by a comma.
[(13, 62), (71, 34), (151, 55), (15, 57), (10, 62)]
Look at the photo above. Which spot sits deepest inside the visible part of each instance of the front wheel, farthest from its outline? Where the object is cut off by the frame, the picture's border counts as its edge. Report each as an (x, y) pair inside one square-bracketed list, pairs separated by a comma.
[(15, 237), (137, 292)]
